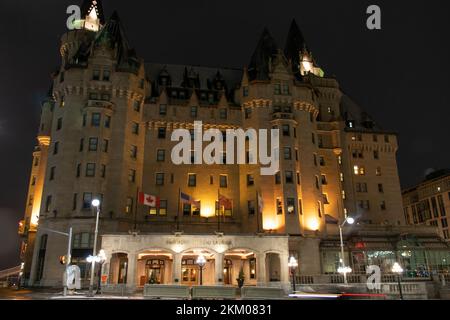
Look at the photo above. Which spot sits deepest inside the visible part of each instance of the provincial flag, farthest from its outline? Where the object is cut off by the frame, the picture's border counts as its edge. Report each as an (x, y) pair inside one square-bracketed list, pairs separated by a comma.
[(149, 200), (224, 202), (185, 198)]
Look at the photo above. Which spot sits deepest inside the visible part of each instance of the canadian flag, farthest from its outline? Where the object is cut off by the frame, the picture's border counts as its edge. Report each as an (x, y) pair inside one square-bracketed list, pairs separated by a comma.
[(148, 200)]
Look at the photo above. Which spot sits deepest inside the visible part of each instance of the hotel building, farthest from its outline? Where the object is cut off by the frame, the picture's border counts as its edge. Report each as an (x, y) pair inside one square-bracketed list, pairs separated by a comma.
[(105, 133)]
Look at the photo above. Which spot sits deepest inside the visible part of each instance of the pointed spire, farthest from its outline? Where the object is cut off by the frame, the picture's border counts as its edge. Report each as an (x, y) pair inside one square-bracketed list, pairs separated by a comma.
[(295, 43), (261, 58), (89, 5), (113, 35)]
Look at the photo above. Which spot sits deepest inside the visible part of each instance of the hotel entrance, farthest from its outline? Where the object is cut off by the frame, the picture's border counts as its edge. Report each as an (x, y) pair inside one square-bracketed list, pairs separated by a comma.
[(154, 267), (192, 273), (189, 274)]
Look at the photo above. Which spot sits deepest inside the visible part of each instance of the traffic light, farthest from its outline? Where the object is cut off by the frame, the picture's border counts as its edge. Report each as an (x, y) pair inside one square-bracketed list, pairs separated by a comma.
[(62, 260)]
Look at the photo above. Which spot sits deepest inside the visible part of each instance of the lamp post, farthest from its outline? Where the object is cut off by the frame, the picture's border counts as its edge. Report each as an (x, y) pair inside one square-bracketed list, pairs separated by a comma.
[(102, 259), (201, 261), (396, 268), (343, 269), (96, 205), (293, 264)]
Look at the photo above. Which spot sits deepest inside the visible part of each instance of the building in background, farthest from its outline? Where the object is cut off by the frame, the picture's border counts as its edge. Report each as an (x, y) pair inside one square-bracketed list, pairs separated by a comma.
[(428, 203), (106, 133)]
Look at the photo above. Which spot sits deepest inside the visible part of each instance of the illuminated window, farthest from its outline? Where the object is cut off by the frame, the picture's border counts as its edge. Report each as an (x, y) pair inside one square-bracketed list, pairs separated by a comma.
[(163, 207), (362, 171), (356, 170)]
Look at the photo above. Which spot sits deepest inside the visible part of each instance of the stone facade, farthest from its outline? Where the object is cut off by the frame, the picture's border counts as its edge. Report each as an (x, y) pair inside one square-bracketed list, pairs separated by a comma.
[(106, 133), (428, 203)]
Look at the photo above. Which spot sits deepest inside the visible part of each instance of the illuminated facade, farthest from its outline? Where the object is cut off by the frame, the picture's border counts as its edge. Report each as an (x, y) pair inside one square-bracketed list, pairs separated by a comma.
[(105, 133), (429, 202)]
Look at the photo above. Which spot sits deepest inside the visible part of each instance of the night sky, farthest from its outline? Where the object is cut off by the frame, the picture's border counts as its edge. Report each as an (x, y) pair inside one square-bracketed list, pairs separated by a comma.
[(400, 74)]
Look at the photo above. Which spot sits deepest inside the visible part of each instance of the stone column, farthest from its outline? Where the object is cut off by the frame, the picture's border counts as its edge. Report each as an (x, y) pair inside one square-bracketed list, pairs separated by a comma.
[(131, 271), (261, 270), (176, 268), (218, 267), (284, 276)]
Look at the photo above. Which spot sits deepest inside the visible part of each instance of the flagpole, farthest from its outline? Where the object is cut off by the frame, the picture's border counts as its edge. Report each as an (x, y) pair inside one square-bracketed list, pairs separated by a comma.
[(135, 209), (218, 210), (257, 212), (178, 210)]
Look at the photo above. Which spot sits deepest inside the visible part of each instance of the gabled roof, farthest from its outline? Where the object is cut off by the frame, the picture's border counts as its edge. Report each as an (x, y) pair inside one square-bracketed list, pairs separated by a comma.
[(259, 66)]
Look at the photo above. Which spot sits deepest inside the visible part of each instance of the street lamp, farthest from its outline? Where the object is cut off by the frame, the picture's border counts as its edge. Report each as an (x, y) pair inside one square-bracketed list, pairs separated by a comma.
[(396, 268), (201, 261), (293, 264), (343, 269), (92, 260)]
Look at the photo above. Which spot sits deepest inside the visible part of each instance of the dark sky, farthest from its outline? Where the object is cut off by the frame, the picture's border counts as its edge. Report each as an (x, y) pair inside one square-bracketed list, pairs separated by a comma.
[(400, 75)]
